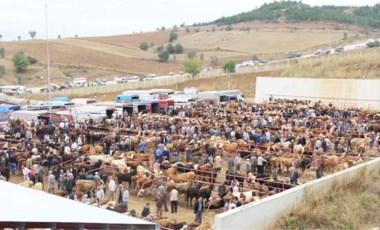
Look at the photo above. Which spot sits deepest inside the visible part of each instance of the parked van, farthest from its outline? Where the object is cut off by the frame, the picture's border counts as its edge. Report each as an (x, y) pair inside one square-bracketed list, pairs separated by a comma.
[(13, 89)]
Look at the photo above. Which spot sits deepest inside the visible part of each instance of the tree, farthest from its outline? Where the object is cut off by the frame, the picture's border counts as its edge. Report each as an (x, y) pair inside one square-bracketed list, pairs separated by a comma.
[(191, 54), (20, 62), (170, 48), (163, 55), (144, 46), (59, 36), (192, 66), (229, 28), (163, 28), (229, 67), (175, 27), (2, 52), (32, 34), (201, 56), (178, 48), (172, 36), (19, 37), (1, 36)]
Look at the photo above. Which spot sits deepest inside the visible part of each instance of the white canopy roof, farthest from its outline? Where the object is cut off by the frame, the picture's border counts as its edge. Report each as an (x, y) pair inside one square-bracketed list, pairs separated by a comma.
[(26, 207)]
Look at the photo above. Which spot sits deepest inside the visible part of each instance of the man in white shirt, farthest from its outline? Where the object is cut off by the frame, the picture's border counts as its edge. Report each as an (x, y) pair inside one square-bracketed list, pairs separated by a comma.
[(112, 187), (67, 150), (25, 172), (260, 164), (174, 200), (99, 194)]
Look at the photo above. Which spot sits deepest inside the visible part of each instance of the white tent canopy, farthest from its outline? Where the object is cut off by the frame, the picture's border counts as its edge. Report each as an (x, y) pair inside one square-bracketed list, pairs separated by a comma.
[(27, 208)]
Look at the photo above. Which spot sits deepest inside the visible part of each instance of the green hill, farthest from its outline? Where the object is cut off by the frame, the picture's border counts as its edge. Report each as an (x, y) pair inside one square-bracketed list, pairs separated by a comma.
[(296, 11)]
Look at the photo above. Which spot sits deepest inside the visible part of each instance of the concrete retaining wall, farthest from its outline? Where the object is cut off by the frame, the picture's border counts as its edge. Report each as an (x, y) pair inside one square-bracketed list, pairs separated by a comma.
[(263, 213), (342, 92)]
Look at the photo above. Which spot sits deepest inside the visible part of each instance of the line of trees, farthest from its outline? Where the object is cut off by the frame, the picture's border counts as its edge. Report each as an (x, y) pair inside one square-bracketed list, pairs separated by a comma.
[(297, 11)]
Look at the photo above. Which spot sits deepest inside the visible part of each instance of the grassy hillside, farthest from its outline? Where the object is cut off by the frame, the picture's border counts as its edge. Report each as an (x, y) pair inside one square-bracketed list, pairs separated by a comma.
[(354, 205), (297, 11), (110, 56), (345, 65)]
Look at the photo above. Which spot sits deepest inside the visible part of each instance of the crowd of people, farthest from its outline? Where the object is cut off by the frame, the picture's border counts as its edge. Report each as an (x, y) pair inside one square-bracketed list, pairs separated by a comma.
[(181, 135)]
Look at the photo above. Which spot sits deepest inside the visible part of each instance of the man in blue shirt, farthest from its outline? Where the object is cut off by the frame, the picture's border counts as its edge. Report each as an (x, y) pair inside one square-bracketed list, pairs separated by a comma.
[(157, 154), (142, 146)]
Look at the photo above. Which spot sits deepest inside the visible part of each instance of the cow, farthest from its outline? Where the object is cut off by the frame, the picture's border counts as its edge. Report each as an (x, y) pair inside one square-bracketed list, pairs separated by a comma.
[(121, 177)]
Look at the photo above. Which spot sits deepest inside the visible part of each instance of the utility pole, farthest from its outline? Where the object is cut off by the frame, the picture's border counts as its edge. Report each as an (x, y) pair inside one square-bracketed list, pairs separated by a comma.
[(48, 62)]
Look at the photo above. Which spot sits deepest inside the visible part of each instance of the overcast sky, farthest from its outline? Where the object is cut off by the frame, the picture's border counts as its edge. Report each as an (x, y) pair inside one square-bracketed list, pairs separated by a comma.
[(112, 17)]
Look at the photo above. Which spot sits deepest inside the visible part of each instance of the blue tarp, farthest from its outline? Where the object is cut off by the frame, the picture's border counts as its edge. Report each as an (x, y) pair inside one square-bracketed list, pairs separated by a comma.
[(66, 99), (5, 111)]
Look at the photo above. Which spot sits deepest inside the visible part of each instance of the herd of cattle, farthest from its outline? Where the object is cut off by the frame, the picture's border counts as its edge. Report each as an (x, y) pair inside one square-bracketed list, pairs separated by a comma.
[(286, 133)]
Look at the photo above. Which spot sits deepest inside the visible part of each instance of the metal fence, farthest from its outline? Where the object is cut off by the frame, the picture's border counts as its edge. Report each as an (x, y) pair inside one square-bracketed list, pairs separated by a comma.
[(109, 88)]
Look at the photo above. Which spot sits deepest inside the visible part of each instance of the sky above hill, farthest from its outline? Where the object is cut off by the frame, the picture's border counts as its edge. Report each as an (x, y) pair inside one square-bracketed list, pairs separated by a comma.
[(112, 17)]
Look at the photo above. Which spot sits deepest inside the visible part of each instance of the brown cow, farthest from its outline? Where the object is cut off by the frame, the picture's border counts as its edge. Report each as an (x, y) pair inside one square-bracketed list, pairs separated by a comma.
[(85, 185), (180, 178)]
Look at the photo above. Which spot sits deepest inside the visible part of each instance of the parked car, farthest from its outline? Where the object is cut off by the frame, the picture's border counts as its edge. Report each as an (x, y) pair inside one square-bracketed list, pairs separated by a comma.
[(339, 49), (133, 79), (120, 79), (100, 81), (294, 55)]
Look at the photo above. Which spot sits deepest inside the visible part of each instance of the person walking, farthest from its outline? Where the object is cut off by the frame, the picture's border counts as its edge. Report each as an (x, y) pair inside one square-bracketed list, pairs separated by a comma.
[(174, 200), (198, 210), (112, 188), (51, 181), (159, 203), (162, 190)]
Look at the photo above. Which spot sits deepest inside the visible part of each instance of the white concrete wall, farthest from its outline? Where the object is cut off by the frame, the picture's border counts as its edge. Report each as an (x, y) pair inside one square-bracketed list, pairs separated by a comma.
[(344, 92), (263, 213)]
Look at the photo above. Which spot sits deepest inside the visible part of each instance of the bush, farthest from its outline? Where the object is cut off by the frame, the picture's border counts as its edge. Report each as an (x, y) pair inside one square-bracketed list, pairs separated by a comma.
[(163, 55), (229, 28), (144, 46), (170, 48), (160, 48), (229, 67), (2, 70), (187, 29), (255, 57), (32, 60), (2, 52), (191, 54), (373, 44), (214, 60), (178, 48)]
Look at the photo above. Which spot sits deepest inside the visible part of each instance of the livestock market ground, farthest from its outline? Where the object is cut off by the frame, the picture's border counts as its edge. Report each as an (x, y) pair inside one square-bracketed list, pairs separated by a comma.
[(184, 214)]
